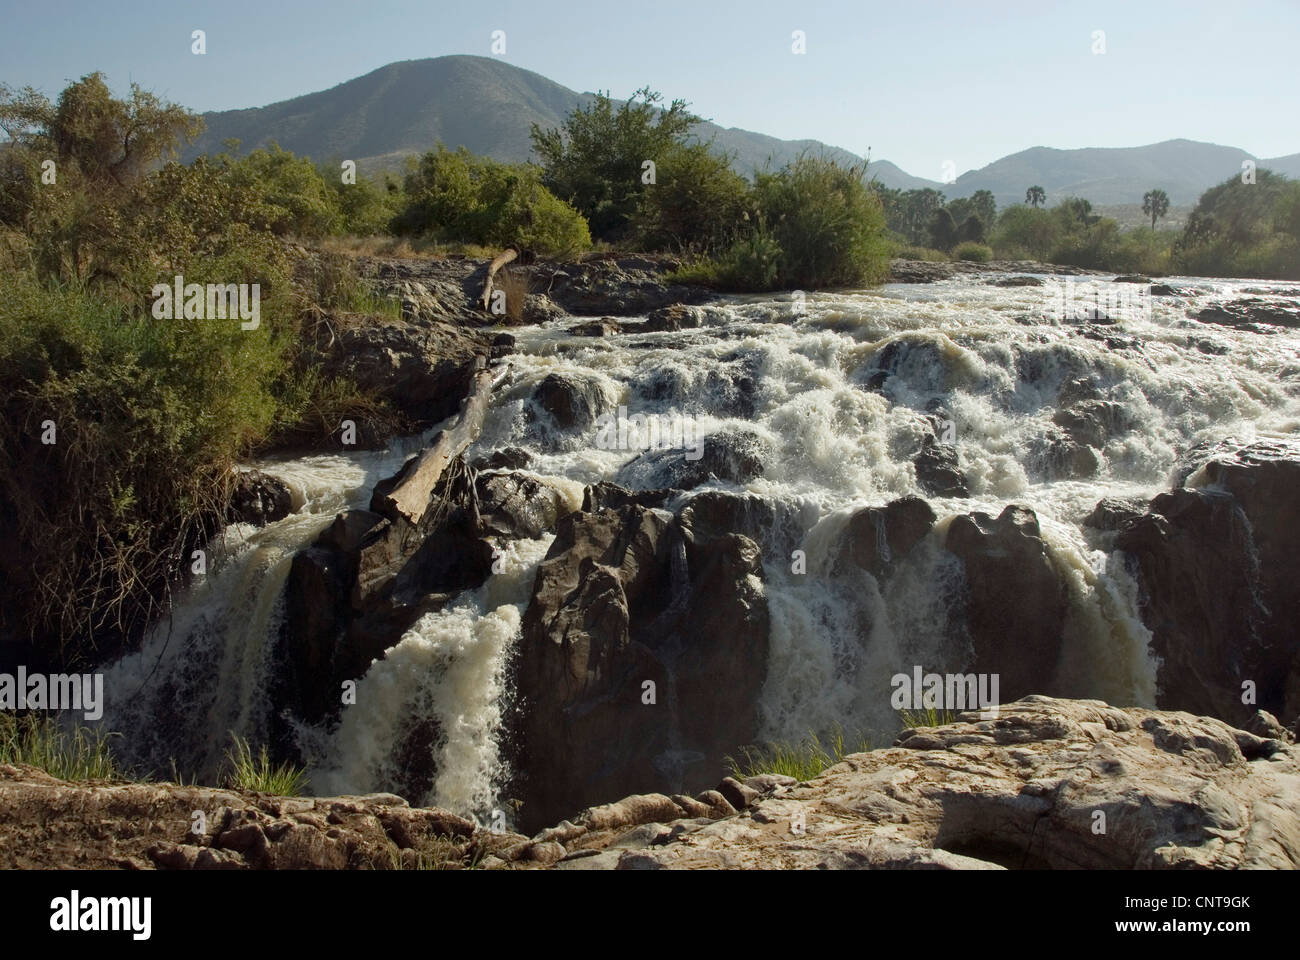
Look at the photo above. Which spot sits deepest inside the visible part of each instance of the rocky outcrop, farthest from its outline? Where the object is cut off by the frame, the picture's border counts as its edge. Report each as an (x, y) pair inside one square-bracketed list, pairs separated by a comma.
[(1257, 314), (1015, 599), (902, 270), (423, 369), (622, 286), (732, 456), (876, 538), (1216, 562), (1049, 784), (368, 578), (643, 651), (49, 823)]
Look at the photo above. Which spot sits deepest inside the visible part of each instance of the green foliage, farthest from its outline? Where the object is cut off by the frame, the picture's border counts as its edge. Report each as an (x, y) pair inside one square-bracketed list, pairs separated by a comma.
[(920, 253), (1244, 230), (829, 225), (595, 159), (974, 252), (943, 229), (1026, 233), (909, 213), (1155, 204), (456, 196), (258, 774), (803, 761), (41, 742), (696, 204), (1035, 196)]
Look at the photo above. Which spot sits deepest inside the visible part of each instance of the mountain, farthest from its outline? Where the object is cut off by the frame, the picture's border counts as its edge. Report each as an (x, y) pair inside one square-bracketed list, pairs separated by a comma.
[(478, 102), (488, 106)]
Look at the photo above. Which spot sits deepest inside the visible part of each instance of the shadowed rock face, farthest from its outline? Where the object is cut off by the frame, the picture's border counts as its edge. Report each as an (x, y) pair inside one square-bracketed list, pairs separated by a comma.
[(1217, 568), (367, 578), (1016, 601), (625, 598)]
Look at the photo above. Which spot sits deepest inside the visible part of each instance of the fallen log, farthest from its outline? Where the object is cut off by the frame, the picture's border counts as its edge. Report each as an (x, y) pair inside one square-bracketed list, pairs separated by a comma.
[(410, 494), (499, 261)]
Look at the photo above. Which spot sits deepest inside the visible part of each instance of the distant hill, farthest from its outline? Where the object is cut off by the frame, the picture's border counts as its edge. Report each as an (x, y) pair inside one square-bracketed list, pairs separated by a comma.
[(488, 106), (478, 102)]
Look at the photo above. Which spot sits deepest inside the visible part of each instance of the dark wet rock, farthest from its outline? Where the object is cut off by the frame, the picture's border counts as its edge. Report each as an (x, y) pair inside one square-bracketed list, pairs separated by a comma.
[(1165, 290), (625, 597), (511, 458), (876, 538), (730, 456), (1060, 457), (573, 402), (676, 317), (1017, 282), (1016, 602), (604, 327), (937, 469), (1216, 564), (610, 496), (1247, 314), (1093, 422), (1131, 278), (775, 525), (366, 579), (1111, 513), (259, 499), (422, 369)]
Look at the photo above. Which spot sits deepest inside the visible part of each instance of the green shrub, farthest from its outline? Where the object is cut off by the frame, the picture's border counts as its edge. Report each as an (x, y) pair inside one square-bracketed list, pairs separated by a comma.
[(973, 252), (696, 204), (829, 226), (458, 197)]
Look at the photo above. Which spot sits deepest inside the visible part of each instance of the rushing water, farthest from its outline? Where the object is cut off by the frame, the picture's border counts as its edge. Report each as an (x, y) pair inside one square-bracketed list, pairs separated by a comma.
[(799, 375)]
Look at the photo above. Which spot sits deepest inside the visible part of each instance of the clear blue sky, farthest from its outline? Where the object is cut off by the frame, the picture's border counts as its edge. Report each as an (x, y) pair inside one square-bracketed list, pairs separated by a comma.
[(920, 82)]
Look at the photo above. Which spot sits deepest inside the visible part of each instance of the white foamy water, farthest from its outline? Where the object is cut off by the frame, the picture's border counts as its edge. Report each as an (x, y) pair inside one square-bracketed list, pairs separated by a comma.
[(837, 438)]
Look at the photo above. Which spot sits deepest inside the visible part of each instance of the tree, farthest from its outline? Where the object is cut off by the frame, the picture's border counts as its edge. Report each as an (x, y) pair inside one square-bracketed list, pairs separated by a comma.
[(1155, 204), (1035, 196), (596, 160), (696, 204), (943, 230)]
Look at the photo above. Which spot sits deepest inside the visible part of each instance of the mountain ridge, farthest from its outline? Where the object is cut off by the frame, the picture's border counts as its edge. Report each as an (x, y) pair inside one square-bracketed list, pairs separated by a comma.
[(488, 106)]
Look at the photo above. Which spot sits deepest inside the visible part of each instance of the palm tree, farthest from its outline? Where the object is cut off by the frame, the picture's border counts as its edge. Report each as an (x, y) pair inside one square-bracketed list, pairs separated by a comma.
[(1035, 196), (1155, 204)]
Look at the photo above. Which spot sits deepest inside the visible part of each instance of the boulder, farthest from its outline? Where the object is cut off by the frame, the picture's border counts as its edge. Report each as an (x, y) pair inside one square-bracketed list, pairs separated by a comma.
[(258, 498), (1215, 564), (876, 538), (625, 598), (572, 402), (1015, 602), (730, 456)]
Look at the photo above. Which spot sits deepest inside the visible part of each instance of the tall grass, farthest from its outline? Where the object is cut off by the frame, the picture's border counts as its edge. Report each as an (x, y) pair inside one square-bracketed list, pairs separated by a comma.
[(42, 742), (803, 760), (256, 772), (927, 717)]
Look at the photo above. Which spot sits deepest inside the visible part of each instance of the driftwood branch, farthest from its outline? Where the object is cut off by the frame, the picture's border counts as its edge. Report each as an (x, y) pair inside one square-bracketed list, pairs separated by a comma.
[(499, 261), (410, 495)]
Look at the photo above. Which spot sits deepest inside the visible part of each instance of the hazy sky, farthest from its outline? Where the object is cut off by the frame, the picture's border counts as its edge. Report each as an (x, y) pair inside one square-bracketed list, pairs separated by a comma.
[(918, 82)]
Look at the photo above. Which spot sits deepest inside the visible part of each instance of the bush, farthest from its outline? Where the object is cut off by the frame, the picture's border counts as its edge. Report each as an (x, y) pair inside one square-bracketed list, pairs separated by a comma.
[(973, 252), (258, 774), (929, 254), (457, 197), (829, 226), (696, 204)]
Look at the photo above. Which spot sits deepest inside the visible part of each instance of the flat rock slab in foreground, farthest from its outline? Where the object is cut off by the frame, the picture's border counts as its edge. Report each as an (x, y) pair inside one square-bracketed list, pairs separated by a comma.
[(1049, 784), (1022, 791)]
